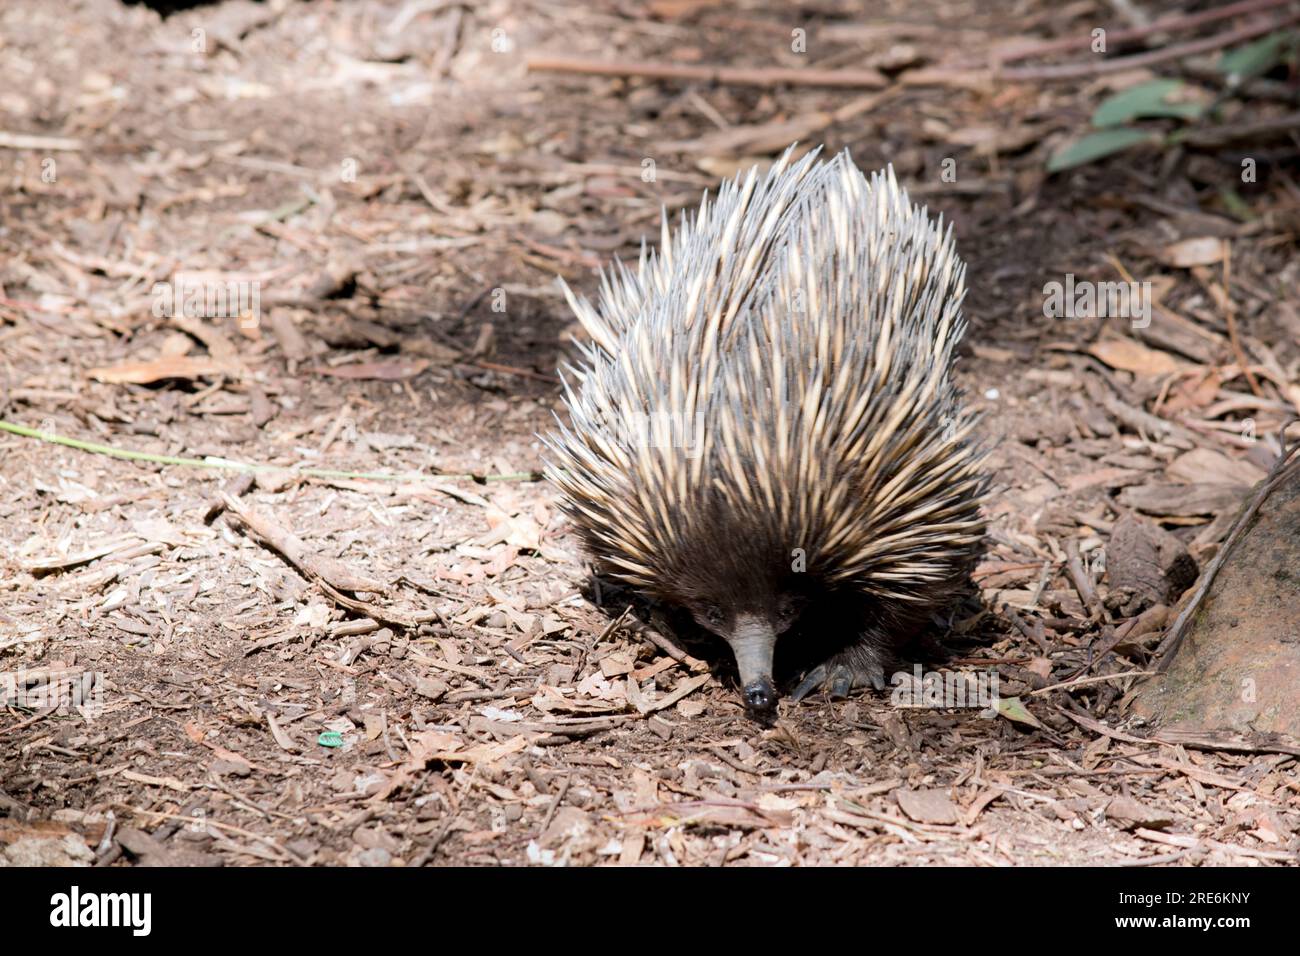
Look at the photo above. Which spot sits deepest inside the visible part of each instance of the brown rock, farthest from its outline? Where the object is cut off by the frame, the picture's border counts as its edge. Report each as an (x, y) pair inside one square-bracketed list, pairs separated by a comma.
[(1238, 668)]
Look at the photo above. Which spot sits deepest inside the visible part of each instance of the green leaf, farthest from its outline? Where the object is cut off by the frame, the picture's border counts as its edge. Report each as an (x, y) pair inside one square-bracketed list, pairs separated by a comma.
[(1096, 145), (1013, 708), (1254, 59), (1145, 99)]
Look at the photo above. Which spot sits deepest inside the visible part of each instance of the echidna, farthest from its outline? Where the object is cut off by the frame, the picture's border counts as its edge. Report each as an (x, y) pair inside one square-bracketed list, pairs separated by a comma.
[(764, 424)]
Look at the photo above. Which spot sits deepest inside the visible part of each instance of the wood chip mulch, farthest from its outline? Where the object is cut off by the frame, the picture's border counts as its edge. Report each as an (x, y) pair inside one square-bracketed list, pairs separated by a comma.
[(333, 668)]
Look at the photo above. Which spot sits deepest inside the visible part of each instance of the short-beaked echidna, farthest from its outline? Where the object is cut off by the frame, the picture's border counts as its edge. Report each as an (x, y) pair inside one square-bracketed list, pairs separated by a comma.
[(764, 424)]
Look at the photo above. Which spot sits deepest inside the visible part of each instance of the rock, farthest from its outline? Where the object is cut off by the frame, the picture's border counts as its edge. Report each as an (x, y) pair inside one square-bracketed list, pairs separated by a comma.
[(68, 850), (1238, 668)]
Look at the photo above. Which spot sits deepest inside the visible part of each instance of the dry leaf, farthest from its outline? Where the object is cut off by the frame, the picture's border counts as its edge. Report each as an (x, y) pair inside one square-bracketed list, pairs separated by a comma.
[(1204, 251), (995, 138), (1184, 501), (383, 371), (1130, 356), (144, 373), (1205, 465), (1193, 393), (1129, 814), (928, 806), (1102, 476)]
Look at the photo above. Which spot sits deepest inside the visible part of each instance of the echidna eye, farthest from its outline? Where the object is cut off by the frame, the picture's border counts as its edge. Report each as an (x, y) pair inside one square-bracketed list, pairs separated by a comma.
[(788, 609), (713, 615)]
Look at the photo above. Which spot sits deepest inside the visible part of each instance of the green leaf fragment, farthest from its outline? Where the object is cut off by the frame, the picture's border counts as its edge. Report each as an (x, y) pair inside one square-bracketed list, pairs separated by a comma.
[(1096, 145), (1145, 99), (1255, 59), (1012, 708)]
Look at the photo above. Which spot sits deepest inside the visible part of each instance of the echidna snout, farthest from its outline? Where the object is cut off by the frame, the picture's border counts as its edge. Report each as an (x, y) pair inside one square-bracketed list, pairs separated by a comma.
[(753, 641), (751, 633)]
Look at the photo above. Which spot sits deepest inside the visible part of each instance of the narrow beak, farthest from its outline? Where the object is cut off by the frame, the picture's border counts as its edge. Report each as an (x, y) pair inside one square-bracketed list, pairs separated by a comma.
[(753, 642)]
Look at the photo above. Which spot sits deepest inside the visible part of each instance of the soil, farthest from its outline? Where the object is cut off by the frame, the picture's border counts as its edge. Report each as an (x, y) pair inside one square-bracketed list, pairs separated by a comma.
[(402, 191)]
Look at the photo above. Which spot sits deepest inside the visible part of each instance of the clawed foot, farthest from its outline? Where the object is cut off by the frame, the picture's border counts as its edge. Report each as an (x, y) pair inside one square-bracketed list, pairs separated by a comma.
[(854, 668)]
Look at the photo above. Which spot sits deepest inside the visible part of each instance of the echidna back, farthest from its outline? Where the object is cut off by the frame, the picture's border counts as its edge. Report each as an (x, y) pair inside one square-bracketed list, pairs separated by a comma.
[(784, 359)]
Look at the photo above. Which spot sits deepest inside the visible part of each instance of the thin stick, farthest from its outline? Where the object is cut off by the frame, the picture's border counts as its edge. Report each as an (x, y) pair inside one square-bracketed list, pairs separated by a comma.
[(1096, 679), (1216, 136), (727, 75), (1271, 743), (1097, 66), (1082, 582), (555, 804), (299, 553), (11, 140), (1034, 633), (1071, 71), (1230, 316), (215, 824), (224, 463), (1165, 25)]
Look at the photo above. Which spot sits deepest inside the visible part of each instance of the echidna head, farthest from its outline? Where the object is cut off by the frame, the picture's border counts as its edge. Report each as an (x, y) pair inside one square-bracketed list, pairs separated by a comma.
[(740, 588), (752, 632)]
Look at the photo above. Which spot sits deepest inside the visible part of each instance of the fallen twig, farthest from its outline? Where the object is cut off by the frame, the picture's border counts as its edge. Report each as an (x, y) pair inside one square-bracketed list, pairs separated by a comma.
[(10, 140), (938, 76), (228, 465), (1267, 743), (726, 75), (1170, 24), (1211, 137), (1082, 582), (1096, 679), (387, 615), (1176, 51), (298, 552)]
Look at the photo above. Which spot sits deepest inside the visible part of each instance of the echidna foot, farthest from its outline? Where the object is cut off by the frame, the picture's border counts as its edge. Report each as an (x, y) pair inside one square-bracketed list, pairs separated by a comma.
[(859, 666)]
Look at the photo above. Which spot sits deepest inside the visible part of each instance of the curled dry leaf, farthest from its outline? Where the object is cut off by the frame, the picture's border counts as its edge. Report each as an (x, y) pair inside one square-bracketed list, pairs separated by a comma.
[(169, 366), (1130, 356), (382, 371), (1202, 251), (1206, 465)]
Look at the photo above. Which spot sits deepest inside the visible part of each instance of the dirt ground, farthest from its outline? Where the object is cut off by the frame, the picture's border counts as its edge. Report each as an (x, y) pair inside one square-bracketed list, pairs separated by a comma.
[(402, 191)]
